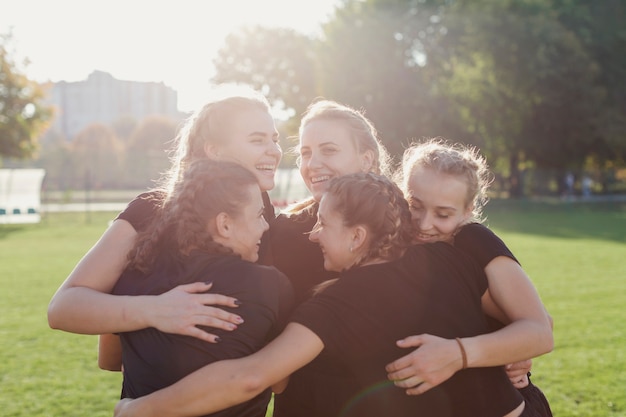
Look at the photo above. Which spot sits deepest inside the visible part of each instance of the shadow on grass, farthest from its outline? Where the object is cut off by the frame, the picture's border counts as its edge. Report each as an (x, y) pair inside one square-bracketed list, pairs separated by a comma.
[(8, 229), (604, 220)]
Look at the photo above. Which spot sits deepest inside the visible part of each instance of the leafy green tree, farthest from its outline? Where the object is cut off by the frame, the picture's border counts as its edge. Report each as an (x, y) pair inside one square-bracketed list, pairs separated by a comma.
[(600, 27), (528, 85), (279, 62), (23, 114), (536, 84), (381, 55)]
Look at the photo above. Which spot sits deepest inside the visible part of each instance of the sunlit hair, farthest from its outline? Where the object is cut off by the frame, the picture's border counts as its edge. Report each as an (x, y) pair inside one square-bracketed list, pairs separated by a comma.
[(209, 125), (362, 132), (375, 202), (455, 159), (206, 189)]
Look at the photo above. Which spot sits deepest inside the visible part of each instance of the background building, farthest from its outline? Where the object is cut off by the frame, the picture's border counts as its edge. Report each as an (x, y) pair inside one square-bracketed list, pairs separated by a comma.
[(104, 99)]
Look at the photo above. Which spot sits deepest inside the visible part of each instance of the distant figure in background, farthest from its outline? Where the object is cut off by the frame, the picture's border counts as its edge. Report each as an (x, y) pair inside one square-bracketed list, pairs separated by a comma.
[(569, 185), (586, 185)]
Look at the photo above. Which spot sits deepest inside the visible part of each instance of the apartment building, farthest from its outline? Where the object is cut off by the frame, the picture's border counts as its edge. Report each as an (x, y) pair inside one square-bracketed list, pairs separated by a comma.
[(105, 99)]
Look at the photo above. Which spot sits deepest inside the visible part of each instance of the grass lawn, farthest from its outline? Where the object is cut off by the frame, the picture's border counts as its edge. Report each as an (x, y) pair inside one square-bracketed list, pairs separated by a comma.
[(574, 252)]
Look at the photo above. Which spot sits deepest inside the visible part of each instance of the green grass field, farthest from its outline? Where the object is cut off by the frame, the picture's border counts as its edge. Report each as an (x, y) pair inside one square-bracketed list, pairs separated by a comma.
[(574, 253)]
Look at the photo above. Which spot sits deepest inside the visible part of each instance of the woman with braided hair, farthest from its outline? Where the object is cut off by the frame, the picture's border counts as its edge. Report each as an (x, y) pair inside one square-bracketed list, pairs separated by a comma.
[(386, 288), (235, 125), (209, 230), (334, 140)]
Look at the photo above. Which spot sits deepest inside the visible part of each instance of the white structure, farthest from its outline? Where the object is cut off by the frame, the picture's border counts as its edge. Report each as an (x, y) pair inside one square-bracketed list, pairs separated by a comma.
[(20, 195), (104, 99)]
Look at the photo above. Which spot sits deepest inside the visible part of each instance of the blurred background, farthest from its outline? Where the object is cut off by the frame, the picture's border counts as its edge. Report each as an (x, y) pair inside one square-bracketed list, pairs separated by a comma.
[(94, 92)]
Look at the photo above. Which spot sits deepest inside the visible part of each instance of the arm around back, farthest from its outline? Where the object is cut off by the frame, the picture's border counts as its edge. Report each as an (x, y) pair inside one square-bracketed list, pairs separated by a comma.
[(223, 384), (82, 304)]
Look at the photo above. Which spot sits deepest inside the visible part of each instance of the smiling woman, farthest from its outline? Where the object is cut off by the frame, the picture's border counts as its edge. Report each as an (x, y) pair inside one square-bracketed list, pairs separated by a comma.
[(176, 42)]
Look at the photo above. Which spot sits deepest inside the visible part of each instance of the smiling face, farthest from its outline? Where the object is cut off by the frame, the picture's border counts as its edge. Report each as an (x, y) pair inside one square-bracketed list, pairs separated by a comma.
[(327, 151), (250, 139), (438, 204), (244, 230), (335, 239)]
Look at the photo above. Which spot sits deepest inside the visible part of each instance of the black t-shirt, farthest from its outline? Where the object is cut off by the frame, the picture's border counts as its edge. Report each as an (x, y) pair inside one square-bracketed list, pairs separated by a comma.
[(153, 360), (141, 210), (290, 250), (481, 244), (433, 289)]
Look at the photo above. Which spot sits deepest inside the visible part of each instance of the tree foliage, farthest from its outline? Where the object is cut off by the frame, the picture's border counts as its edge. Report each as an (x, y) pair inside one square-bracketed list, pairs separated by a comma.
[(279, 62), (23, 114), (147, 151), (96, 156), (536, 84)]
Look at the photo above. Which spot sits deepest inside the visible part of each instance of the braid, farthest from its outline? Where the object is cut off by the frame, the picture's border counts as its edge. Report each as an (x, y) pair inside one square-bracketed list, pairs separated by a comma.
[(207, 189), (377, 203), (397, 226)]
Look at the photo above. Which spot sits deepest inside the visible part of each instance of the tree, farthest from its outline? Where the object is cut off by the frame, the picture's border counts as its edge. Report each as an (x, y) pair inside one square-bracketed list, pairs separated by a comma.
[(380, 56), (23, 116), (535, 84), (147, 150), (96, 156), (276, 61), (527, 85)]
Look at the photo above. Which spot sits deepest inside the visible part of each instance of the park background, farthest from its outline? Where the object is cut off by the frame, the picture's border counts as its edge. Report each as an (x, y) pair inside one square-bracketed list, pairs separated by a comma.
[(539, 86)]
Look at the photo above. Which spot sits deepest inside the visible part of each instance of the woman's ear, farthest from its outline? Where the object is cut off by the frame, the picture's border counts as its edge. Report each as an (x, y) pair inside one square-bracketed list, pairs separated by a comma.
[(211, 151), (367, 160), (359, 237), (223, 226), (469, 212)]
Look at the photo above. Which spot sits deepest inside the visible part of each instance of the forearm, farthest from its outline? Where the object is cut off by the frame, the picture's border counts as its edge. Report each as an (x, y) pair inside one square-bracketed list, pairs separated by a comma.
[(226, 383), (529, 330), (520, 340), (210, 389), (87, 311), (82, 304), (109, 352)]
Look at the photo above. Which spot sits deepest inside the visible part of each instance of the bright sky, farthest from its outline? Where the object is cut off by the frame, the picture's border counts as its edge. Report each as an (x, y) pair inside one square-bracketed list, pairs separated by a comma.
[(170, 41)]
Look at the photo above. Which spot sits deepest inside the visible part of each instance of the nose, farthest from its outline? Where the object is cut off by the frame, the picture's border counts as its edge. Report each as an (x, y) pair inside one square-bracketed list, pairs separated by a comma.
[(275, 149), (314, 161), (266, 225), (424, 221)]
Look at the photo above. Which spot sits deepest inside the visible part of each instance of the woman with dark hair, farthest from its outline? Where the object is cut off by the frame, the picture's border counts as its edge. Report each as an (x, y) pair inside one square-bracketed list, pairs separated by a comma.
[(209, 229)]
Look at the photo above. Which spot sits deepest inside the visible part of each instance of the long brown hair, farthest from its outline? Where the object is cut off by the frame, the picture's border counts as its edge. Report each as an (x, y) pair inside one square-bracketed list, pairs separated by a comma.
[(207, 189)]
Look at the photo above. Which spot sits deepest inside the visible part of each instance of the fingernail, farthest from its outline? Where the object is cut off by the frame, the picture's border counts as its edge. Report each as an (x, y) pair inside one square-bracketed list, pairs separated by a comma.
[(237, 302), (232, 326), (217, 339), (239, 320), (208, 282)]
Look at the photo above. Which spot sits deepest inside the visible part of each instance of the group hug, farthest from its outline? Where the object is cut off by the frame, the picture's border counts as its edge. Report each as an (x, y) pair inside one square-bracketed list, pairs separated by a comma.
[(382, 294)]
